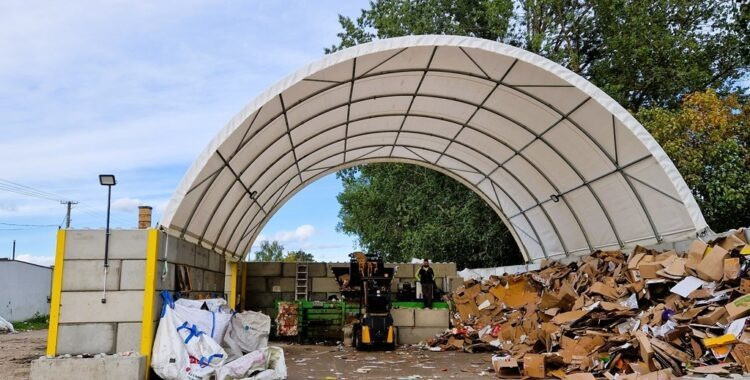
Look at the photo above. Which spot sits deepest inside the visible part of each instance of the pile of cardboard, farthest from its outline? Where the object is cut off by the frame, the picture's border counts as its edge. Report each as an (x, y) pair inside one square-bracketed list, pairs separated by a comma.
[(644, 315)]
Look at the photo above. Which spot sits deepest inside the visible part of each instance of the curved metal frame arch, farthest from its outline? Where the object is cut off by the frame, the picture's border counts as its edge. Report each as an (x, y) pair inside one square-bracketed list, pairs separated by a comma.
[(423, 71)]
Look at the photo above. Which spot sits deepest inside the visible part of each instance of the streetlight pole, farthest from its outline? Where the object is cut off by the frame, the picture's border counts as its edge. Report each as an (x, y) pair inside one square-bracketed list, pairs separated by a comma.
[(109, 181), (106, 236)]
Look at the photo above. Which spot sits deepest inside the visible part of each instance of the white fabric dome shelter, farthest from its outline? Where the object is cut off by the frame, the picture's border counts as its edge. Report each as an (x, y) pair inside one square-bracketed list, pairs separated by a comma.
[(567, 168)]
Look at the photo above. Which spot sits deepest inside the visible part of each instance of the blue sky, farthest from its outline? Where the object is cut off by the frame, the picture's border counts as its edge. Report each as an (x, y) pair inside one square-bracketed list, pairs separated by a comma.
[(138, 89)]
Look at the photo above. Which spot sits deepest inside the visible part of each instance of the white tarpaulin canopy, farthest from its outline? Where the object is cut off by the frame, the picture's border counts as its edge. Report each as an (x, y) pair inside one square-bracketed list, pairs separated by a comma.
[(567, 168)]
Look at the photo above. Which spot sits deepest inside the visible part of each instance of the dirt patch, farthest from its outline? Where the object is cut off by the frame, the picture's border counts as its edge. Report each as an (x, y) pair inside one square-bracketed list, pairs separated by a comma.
[(321, 362), (19, 349)]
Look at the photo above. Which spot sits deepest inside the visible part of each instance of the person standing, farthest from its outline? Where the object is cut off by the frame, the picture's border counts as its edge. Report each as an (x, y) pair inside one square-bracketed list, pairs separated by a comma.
[(426, 277)]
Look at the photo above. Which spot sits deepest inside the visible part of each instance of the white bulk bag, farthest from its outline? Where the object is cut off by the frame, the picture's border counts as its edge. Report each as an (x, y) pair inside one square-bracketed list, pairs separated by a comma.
[(248, 331), (181, 350)]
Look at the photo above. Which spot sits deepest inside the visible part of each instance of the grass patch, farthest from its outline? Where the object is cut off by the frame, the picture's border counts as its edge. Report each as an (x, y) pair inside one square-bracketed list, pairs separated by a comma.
[(38, 322)]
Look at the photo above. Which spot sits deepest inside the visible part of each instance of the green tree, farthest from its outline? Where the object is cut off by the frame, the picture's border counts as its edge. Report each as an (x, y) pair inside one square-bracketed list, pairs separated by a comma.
[(269, 251), (431, 215), (298, 256), (708, 139)]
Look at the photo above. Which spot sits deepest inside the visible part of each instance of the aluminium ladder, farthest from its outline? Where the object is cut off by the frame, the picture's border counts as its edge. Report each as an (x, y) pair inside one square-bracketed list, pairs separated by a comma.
[(300, 290)]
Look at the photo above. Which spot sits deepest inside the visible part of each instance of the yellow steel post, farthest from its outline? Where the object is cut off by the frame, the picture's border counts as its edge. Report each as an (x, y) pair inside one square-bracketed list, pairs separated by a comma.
[(54, 307), (149, 295), (233, 285)]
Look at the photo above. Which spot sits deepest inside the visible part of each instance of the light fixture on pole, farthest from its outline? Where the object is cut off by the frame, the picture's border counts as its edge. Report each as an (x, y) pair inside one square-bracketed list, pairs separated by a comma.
[(109, 181)]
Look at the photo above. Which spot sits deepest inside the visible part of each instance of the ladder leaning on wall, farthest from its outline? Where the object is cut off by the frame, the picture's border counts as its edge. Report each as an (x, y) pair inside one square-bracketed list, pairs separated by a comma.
[(300, 291)]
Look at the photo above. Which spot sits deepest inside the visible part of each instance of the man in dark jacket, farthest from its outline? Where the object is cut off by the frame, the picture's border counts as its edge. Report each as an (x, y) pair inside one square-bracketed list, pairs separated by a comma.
[(426, 277)]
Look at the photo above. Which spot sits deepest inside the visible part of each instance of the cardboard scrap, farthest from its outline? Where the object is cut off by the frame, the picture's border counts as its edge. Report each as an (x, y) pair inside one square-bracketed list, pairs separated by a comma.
[(533, 366), (648, 315)]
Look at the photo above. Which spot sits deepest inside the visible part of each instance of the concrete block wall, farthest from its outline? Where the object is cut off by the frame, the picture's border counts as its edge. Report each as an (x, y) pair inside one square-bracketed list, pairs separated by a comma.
[(416, 325), (89, 326), (267, 282)]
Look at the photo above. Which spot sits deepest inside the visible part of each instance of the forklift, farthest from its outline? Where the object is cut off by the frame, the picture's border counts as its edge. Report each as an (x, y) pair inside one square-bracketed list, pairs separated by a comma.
[(368, 282)]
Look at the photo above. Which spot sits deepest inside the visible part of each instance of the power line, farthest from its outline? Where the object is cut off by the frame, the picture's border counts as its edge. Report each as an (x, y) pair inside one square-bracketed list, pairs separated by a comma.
[(28, 225)]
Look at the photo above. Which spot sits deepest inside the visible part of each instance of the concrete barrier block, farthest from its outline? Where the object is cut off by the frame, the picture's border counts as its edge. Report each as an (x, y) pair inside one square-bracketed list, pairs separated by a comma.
[(324, 284), (128, 244), (405, 270), (285, 284), (289, 269), (212, 280), (440, 283), (84, 244), (264, 269), (183, 252), (256, 284), (285, 296), (165, 282), (81, 275), (317, 296), (414, 335), (403, 317), (128, 337), (196, 278), (431, 318), (260, 300), (444, 269), (216, 262), (202, 257), (109, 367), (133, 275), (88, 338), (317, 270), (83, 307)]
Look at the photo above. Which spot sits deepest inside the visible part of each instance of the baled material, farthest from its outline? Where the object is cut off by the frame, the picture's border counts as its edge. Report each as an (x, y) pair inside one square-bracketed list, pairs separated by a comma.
[(567, 168)]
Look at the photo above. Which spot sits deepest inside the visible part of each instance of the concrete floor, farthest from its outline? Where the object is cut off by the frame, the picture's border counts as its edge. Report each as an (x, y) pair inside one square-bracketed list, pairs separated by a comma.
[(329, 362)]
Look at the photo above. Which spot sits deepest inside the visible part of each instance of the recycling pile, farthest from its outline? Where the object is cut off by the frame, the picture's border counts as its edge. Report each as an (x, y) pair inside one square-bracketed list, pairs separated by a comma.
[(645, 315)]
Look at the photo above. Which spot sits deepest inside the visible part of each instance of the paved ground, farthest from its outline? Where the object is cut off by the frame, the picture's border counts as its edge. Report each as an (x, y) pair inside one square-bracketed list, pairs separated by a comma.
[(18, 350), (329, 362)]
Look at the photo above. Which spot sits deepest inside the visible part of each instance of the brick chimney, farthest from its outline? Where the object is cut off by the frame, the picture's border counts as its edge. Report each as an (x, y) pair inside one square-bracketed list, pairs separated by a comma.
[(144, 217)]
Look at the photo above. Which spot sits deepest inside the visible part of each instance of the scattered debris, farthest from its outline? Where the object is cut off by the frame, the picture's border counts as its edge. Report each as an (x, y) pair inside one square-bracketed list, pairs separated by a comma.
[(646, 315)]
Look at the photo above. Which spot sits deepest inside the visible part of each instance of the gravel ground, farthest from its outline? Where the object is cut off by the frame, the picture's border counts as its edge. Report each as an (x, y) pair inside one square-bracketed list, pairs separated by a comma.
[(18, 350)]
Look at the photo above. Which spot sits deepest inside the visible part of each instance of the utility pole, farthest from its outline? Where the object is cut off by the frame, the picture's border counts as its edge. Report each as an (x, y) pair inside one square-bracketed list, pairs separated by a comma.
[(67, 214), (14, 250)]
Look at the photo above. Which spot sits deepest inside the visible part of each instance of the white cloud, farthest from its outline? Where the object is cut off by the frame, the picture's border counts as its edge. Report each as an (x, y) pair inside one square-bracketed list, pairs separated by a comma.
[(126, 204), (299, 234), (39, 260)]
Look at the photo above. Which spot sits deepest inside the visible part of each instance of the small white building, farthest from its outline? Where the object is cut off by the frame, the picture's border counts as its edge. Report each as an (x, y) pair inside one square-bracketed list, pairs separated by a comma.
[(24, 289)]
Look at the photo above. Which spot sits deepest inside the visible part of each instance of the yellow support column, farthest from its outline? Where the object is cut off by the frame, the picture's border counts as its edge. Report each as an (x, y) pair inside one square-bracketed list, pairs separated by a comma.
[(54, 306), (149, 294), (233, 285)]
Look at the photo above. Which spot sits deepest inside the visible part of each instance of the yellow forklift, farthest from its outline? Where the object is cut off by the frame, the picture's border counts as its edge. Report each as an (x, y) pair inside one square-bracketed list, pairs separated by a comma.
[(368, 282)]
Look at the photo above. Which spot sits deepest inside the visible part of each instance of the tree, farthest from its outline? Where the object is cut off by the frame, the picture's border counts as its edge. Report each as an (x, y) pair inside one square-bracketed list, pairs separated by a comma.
[(708, 139), (269, 251), (298, 256), (430, 215)]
